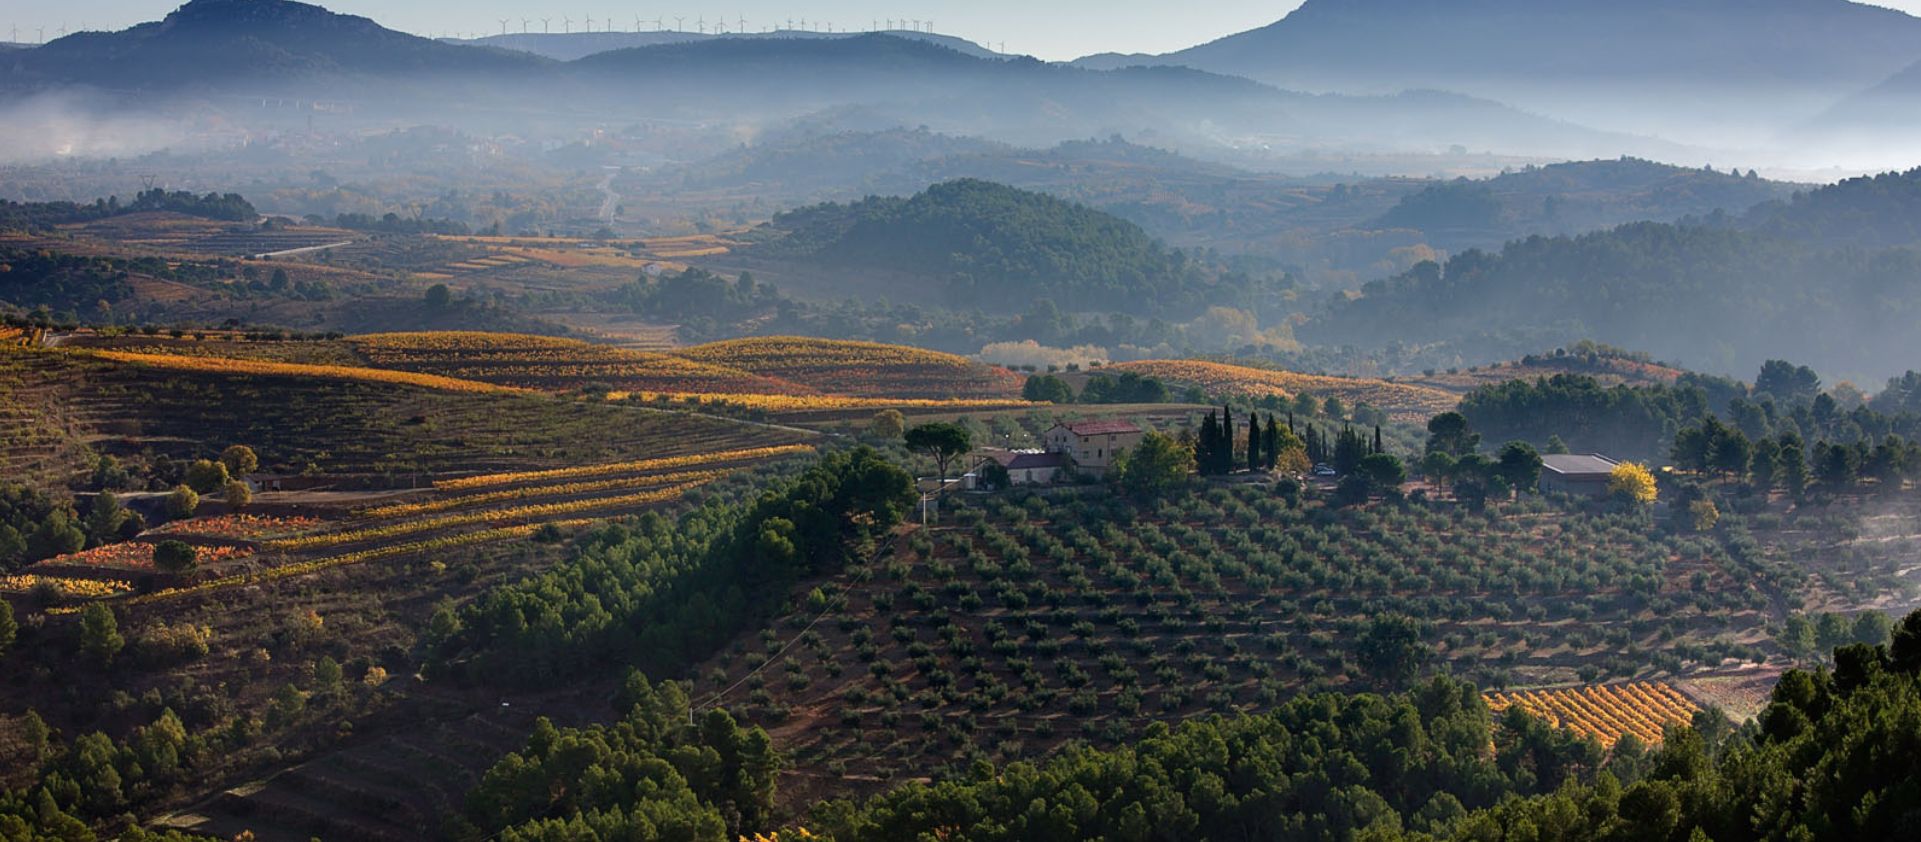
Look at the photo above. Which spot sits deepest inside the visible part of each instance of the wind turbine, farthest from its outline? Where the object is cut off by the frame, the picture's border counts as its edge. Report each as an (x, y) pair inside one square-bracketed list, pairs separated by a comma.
[(546, 26), (637, 23), (930, 27), (702, 26), (590, 22), (566, 26), (680, 24), (503, 26), (524, 23), (660, 25)]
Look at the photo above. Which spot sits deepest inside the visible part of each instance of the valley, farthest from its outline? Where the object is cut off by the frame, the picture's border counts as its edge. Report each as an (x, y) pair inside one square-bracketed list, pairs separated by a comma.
[(1393, 423)]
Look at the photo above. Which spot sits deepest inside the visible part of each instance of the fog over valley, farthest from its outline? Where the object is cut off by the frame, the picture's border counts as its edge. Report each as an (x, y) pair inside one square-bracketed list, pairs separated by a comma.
[(1381, 420)]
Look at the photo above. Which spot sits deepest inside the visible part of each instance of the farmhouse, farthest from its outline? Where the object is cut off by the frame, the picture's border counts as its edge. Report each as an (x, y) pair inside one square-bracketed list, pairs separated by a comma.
[(1024, 467), (1581, 475), (1092, 445)]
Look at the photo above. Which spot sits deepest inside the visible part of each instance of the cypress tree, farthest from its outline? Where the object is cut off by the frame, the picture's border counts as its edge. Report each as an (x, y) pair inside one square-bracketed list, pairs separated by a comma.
[(1272, 446), (1225, 463), (1377, 440), (1254, 441), (1208, 445)]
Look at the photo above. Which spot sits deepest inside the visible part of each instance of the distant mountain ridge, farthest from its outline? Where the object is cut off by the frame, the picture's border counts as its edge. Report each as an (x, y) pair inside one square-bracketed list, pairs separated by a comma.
[(1577, 58), (564, 46), (278, 49)]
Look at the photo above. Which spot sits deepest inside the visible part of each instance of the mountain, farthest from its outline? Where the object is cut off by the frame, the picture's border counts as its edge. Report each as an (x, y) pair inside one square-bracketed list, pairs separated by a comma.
[(577, 45), (875, 82), (293, 52), (1694, 68), (255, 44)]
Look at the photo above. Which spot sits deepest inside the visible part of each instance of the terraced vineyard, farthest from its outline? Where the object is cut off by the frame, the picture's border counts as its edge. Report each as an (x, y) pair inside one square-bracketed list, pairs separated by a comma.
[(1606, 714), (862, 369), (555, 364), (354, 430), (1401, 401), (515, 506), (40, 436), (1015, 627)]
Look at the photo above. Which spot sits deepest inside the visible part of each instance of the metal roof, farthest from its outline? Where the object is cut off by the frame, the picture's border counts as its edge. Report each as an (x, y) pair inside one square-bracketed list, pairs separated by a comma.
[(1576, 464)]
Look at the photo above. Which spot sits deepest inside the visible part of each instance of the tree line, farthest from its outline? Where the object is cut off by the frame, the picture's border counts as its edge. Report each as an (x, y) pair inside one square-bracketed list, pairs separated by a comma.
[(661, 592)]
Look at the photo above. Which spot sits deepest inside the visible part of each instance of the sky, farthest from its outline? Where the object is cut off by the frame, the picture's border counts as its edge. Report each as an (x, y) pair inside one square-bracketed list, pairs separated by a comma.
[(1050, 29)]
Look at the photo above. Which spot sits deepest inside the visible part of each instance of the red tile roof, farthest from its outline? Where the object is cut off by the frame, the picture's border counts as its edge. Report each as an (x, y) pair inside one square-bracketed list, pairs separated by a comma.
[(1101, 428)]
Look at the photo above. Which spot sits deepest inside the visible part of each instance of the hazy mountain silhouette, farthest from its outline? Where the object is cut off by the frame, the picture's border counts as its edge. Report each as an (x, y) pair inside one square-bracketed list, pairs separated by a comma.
[(565, 46), (1876, 125), (1633, 64), (227, 43), (860, 82)]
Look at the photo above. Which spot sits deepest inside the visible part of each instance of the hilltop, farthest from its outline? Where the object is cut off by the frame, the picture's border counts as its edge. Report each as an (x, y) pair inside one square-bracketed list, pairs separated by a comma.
[(204, 43), (995, 247)]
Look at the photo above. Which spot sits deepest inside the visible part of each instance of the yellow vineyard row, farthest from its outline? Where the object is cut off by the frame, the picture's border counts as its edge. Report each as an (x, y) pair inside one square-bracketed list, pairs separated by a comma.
[(263, 368), (486, 498), (817, 403), (774, 354), (319, 564), (328, 539), (80, 588), (667, 463)]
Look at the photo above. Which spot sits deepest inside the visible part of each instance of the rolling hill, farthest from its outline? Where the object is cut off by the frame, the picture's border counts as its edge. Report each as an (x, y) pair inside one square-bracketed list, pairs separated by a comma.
[(1716, 299), (995, 247)]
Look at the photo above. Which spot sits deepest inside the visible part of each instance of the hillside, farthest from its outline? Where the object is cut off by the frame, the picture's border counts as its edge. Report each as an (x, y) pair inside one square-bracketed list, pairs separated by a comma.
[(1714, 299), (1882, 211), (1020, 625), (1572, 198), (995, 247), (772, 376), (1694, 67)]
